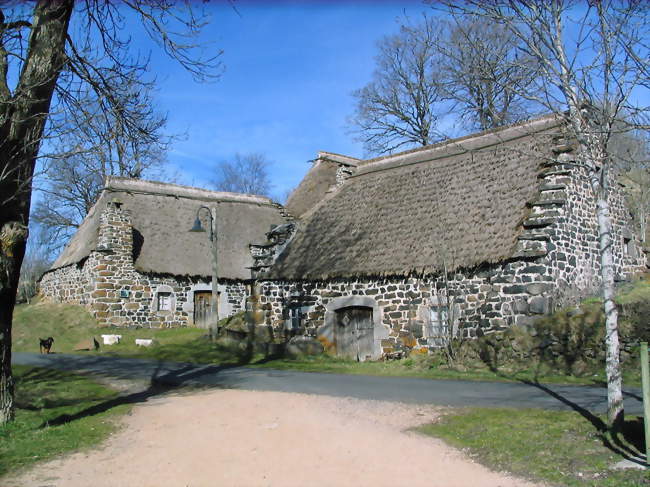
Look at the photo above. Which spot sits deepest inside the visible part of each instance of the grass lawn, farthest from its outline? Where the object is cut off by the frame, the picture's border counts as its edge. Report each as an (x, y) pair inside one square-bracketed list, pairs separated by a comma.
[(45, 425), (560, 448), (430, 369), (69, 324)]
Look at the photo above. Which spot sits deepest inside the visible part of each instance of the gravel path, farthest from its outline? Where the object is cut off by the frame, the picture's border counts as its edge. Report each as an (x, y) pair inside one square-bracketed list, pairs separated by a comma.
[(247, 438)]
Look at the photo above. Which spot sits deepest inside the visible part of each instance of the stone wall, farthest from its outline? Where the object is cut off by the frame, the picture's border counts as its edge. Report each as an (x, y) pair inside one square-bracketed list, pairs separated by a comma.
[(119, 295), (482, 301)]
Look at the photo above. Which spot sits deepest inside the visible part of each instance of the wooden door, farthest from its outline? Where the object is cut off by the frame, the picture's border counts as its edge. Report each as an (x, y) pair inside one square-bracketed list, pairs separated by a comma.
[(202, 308), (354, 334)]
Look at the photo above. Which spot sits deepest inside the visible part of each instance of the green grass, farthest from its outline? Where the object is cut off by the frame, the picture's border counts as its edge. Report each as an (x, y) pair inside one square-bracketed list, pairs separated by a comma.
[(69, 324), (43, 399), (437, 370), (561, 448)]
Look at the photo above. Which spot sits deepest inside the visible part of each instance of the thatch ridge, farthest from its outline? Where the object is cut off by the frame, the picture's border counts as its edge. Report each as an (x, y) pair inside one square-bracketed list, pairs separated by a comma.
[(117, 183), (339, 158)]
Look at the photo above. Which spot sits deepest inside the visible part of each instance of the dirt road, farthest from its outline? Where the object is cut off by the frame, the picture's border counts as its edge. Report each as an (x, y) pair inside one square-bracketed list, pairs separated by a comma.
[(243, 438)]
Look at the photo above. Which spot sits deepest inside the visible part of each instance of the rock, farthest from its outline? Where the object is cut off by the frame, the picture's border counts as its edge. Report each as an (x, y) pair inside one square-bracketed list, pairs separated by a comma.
[(516, 289), (144, 342), (87, 345), (539, 305), (537, 288), (520, 306), (302, 345), (111, 339), (525, 321)]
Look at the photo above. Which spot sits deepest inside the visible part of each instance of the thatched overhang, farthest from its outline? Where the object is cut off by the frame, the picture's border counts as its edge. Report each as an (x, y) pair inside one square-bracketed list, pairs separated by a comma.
[(459, 203), (162, 214)]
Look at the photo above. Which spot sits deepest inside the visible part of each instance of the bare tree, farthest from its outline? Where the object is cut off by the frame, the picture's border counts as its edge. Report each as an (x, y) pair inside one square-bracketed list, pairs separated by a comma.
[(463, 68), (98, 144), (482, 71), (401, 105), (601, 60), (244, 173), (53, 53), (36, 262)]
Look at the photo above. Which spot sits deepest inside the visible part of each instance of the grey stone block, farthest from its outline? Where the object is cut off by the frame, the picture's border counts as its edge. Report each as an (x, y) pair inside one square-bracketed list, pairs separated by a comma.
[(539, 305), (302, 345), (536, 288)]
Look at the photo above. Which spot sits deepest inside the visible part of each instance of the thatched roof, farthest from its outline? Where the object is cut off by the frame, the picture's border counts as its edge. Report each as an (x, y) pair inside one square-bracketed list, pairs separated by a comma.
[(163, 213), (318, 181), (460, 202)]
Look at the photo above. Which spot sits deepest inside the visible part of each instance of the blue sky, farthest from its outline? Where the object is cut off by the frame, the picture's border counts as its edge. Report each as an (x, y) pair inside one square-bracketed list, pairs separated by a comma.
[(290, 69)]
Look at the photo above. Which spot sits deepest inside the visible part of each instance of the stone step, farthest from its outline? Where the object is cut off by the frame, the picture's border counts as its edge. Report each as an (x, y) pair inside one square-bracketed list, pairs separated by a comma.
[(549, 202), (552, 187), (527, 235), (538, 222), (523, 253), (550, 173), (562, 148)]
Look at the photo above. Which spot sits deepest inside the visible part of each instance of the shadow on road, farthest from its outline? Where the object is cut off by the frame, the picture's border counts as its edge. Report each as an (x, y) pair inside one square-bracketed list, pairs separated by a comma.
[(630, 432), (161, 382)]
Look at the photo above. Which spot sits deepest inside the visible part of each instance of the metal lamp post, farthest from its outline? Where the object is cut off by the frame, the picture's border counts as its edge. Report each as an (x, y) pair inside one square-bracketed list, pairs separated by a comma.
[(212, 235)]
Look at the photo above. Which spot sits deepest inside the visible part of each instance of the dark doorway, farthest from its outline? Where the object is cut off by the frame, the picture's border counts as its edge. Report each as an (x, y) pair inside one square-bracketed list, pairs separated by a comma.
[(354, 332)]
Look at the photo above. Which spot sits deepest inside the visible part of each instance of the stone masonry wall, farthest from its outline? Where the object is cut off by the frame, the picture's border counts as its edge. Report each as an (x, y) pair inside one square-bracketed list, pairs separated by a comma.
[(118, 295), (484, 301)]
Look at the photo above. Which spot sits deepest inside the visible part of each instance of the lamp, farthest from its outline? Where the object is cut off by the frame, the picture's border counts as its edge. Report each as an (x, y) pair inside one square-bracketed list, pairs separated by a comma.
[(197, 226)]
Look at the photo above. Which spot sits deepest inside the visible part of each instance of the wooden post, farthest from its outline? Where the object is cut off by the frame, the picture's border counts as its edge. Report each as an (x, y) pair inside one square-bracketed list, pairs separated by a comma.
[(645, 381), (214, 318)]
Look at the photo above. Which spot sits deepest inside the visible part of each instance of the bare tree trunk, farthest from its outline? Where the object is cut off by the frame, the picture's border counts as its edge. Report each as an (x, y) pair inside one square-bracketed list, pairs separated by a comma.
[(22, 120), (615, 412)]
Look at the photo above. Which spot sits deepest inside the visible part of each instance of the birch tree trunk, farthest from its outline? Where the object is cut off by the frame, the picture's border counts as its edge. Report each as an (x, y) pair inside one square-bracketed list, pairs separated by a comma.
[(615, 413), (22, 121)]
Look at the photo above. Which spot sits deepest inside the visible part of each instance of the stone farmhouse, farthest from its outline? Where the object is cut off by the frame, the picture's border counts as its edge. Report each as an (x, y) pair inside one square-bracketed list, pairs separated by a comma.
[(133, 262), (468, 236)]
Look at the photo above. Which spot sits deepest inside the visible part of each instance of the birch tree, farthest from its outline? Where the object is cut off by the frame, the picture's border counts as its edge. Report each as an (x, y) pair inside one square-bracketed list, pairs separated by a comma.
[(590, 54), (52, 54)]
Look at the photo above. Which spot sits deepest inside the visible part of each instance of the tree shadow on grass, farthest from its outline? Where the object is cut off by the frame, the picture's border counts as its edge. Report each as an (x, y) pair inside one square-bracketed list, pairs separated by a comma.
[(160, 383), (631, 432)]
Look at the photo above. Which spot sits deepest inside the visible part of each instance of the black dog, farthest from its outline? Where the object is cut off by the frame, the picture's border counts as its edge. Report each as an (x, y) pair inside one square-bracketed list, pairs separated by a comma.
[(46, 344)]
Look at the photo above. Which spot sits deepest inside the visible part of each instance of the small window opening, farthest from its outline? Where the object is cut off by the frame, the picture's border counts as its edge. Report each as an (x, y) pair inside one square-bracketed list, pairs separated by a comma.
[(628, 247), (164, 301), (439, 322), (295, 318)]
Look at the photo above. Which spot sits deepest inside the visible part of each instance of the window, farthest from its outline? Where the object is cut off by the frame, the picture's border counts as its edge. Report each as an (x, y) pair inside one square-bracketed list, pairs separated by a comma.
[(439, 322), (295, 318), (164, 301), (628, 247)]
